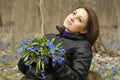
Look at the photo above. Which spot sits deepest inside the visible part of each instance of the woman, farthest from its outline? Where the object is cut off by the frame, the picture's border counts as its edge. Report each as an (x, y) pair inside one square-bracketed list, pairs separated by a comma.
[(78, 35)]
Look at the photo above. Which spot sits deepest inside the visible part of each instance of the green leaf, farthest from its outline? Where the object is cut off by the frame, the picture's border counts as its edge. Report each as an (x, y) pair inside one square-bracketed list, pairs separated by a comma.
[(26, 58), (43, 66), (39, 63), (44, 38), (25, 54), (31, 61), (36, 67), (58, 44), (36, 43), (53, 40), (33, 57)]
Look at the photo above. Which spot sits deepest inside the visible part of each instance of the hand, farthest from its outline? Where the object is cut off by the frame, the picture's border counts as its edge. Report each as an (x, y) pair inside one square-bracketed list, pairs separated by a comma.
[(53, 65)]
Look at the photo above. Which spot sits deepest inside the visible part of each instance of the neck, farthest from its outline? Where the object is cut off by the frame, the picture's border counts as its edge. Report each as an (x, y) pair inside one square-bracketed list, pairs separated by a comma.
[(71, 32)]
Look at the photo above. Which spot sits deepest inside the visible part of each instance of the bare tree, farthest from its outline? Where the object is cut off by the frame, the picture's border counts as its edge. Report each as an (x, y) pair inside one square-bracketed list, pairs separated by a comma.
[(0, 21)]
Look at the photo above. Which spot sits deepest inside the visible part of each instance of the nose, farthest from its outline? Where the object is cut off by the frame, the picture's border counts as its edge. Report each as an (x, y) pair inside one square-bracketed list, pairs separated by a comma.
[(72, 18)]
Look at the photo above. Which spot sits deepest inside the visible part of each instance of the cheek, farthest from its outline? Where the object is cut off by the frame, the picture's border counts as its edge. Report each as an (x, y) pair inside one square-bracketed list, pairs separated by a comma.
[(78, 26), (66, 23)]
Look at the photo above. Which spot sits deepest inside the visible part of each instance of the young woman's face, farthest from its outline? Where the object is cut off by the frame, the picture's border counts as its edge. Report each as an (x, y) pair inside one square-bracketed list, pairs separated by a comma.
[(76, 21)]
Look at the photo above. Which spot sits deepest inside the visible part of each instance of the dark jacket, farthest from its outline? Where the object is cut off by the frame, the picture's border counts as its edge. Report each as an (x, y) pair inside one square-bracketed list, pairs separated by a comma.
[(77, 63)]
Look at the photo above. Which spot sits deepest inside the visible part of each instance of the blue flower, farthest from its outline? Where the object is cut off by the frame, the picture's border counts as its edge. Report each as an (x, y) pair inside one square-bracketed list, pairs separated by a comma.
[(49, 53), (39, 71), (32, 41), (32, 49), (27, 64), (46, 61), (60, 60), (51, 46), (24, 42), (36, 49), (54, 58), (42, 73), (29, 49), (30, 67), (29, 58), (113, 69), (60, 54), (118, 68), (20, 50), (62, 50)]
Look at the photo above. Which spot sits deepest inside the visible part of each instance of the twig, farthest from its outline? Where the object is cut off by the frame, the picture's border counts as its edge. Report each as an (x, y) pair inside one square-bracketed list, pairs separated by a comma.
[(42, 17)]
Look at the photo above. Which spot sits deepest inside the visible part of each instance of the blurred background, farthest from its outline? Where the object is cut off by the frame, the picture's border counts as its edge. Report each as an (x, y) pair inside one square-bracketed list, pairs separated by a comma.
[(21, 19)]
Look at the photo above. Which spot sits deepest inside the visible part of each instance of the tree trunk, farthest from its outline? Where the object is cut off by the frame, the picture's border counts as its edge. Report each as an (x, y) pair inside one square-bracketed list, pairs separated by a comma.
[(0, 21)]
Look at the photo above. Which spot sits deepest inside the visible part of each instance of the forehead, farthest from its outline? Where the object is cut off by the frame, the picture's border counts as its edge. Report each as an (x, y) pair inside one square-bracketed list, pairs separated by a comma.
[(82, 12)]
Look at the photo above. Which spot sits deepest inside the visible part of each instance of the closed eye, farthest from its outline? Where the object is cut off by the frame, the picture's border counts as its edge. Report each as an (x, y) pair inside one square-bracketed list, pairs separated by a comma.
[(74, 13), (80, 19)]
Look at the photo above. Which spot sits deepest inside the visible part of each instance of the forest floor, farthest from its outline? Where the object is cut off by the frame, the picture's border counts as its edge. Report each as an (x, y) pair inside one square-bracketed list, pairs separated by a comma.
[(9, 59), (106, 64)]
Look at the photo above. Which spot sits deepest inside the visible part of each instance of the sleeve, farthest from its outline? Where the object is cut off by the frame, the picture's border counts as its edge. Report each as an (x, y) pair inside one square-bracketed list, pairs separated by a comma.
[(21, 65), (26, 69), (80, 64)]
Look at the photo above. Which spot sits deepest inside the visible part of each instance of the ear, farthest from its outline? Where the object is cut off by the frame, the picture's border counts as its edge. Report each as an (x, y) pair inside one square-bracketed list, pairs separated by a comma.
[(83, 31)]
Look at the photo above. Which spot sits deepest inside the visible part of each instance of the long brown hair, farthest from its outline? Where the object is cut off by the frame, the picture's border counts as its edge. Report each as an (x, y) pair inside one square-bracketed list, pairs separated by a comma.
[(92, 25)]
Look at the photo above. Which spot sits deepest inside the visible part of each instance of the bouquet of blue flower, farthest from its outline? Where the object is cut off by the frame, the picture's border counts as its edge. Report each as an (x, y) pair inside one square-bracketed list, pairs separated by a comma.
[(39, 50)]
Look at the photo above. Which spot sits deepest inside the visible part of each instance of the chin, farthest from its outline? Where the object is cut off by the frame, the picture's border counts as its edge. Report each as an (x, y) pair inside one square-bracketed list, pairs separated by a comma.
[(65, 25)]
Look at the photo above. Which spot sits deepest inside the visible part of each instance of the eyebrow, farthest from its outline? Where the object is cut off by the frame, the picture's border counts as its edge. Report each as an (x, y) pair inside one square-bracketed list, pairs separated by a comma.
[(79, 16)]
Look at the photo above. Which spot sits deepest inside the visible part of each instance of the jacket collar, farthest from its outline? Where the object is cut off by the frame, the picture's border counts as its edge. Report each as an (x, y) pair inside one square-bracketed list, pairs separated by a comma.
[(75, 37)]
